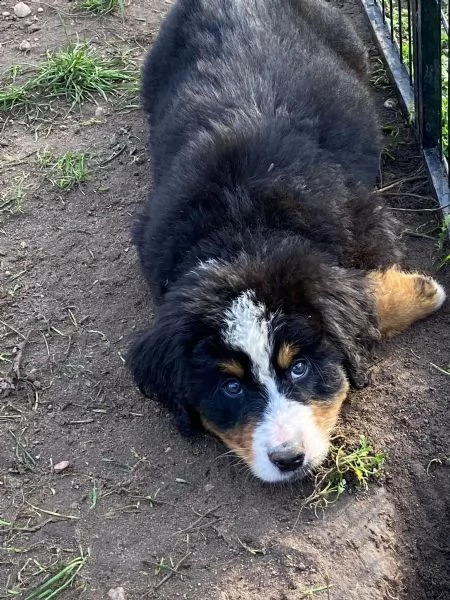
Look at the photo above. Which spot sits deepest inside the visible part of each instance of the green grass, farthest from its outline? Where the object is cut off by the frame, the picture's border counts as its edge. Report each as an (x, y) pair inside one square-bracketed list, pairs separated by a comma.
[(345, 466), (78, 73), (67, 170), (13, 96), (12, 200), (75, 74), (442, 241), (55, 585), (101, 7)]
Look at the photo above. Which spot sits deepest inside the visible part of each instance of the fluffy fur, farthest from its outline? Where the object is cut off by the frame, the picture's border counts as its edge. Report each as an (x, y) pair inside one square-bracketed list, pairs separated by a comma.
[(261, 225)]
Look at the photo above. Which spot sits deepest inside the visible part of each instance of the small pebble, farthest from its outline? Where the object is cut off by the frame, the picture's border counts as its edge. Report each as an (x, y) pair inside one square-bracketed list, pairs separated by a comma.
[(61, 466), (34, 27), (99, 112), (40, 9), (22, 10), (25, 46), (6, 13), (116, 593)]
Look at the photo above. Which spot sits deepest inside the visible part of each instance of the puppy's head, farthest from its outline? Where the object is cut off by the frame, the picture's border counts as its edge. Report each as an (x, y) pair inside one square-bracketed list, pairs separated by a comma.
[(260, 353)]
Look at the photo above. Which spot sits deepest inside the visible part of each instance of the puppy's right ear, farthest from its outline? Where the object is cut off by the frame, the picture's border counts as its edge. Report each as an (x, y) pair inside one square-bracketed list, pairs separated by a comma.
[(158, 363)]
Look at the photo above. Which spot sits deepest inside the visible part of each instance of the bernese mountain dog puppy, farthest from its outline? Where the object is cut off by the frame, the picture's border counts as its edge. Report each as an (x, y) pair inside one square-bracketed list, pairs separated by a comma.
[(269, 256)]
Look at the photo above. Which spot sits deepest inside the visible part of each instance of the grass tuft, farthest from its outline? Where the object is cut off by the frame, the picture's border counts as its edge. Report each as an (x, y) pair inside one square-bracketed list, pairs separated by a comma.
[(78, 73), (101, 7), (61, 580), (13, 96), (65, 171), (74, 74), (344, 467), (12, 201)]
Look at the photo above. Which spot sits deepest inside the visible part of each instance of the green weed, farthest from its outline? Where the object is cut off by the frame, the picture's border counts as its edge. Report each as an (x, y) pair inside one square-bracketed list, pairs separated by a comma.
[(343, 467)]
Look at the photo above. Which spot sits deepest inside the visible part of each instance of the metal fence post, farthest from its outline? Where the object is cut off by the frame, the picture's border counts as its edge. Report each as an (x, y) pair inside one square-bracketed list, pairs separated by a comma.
[(427, 72)]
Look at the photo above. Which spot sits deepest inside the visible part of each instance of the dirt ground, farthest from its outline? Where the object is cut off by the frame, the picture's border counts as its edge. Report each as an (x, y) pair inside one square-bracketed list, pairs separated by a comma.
[(135, 493)]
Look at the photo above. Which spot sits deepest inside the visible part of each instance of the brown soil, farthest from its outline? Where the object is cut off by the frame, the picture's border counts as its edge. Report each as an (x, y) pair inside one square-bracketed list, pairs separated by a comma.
[(70, 297)]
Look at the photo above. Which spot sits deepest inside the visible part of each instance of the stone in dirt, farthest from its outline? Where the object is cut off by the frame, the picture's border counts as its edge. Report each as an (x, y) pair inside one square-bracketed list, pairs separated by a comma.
[(22, 10), (116, 593), (25, 46), (61, 466)]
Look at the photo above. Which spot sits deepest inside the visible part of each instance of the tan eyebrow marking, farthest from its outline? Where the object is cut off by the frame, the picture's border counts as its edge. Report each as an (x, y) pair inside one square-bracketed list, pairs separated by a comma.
[(232, 367), (286, 355)]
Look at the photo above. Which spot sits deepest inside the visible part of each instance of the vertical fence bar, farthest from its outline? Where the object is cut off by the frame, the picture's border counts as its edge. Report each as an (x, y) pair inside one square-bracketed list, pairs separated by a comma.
[(427, 76), (400, 29), (448, 91), (422, 85), (410, 42), (391, 18)]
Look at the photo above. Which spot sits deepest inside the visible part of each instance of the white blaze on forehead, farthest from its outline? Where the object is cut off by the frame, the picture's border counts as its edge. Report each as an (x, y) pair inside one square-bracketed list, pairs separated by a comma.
[(247, 328)]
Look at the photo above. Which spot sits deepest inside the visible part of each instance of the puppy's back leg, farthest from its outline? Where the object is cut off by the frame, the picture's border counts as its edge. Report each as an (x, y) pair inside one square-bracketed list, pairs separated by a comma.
[(402, 298)]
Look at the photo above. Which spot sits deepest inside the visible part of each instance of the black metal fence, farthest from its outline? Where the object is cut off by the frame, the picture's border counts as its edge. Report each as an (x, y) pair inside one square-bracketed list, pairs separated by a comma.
[(413, 37)]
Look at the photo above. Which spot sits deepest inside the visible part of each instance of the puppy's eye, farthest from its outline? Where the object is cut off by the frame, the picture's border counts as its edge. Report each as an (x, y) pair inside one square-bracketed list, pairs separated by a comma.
[(232, 388), (299, 369)]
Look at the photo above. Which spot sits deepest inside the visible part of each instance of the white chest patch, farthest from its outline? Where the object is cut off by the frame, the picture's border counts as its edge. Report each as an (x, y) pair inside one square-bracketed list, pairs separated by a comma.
[(247, 328)]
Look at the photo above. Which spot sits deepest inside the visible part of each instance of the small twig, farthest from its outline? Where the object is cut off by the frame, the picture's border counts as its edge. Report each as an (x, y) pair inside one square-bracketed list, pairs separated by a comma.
[(197, 521), (419, 235), (440, 369), (400, 182), (12, 329), (113, 156), (316, 590), (53, 514), (20, 161), (410, 195), (421, 209), (35, 527)]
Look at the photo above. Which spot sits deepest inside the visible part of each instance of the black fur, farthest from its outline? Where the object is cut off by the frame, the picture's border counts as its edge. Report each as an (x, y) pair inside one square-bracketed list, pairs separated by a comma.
[(265, 151)]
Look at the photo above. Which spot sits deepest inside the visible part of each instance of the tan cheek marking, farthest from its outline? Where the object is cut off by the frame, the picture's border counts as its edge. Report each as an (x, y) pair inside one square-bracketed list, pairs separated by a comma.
[(232, 367), (286, 355), (239, 439), (326, 412), (401, 298)]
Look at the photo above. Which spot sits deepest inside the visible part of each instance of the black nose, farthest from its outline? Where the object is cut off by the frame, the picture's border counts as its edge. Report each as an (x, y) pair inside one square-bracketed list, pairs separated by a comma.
[(287, 460)]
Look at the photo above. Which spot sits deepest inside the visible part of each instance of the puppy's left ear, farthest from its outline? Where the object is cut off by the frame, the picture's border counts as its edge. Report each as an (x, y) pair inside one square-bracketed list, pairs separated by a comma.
[(158, 363), (349, 319)]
